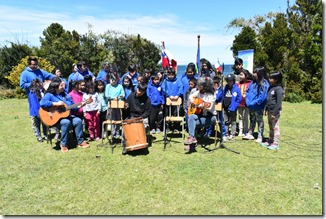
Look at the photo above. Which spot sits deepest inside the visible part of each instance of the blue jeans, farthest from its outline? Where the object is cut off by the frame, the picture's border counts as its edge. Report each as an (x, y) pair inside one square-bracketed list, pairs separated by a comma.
[(66, 125), (209, 129), (199, 121)]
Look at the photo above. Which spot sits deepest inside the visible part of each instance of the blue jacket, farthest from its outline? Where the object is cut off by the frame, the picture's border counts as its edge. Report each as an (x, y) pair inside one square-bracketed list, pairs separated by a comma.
[(102, 76), (78, 76), (28, 75), (256, 96), (156, 94), (34, 104), (219, 94), (236, 97), (133, 79), (48, 98), (128, 91), (185, 82), (172, 87)]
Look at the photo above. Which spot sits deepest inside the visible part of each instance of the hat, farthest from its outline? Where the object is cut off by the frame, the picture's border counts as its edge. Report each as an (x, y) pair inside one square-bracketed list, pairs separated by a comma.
[(230, 77)]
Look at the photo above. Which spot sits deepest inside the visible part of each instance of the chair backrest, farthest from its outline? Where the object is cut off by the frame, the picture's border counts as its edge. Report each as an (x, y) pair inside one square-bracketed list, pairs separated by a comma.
[(170, 102), (218, 106), (116, 104)]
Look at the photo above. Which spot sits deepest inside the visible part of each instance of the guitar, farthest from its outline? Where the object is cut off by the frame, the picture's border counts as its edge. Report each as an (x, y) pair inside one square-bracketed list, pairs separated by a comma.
[(51, 115), (194, 107)]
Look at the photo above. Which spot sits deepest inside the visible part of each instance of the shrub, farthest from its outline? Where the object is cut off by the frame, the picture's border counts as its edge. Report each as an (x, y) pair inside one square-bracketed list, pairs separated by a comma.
[(7, 93)]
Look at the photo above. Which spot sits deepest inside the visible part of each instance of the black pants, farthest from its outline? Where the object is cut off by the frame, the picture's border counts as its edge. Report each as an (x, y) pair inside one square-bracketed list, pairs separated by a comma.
[(156, 117)]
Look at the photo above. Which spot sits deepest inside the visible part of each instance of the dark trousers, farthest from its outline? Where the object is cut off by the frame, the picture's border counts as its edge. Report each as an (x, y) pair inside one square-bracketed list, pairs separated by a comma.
[(156, 117)]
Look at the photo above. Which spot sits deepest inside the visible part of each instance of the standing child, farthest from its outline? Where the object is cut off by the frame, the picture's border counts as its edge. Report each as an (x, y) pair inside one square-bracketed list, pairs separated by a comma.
[(128, 89), (192, 88), (114, 91), (256, 99), (172, 88), (34, 97), (273, 110), (100, 90), (155, 93), (232, 99), (242, 109), (92, 111)]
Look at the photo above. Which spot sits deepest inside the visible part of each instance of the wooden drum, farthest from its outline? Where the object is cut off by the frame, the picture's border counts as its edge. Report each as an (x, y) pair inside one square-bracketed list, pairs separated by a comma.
[(135, 135)]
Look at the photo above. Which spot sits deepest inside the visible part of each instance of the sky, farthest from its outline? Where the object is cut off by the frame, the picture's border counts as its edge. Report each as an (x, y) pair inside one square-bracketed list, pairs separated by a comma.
[(176, 22)]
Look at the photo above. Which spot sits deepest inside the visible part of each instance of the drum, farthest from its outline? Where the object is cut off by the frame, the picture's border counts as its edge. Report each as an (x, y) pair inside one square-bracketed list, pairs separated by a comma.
[(134, 132)]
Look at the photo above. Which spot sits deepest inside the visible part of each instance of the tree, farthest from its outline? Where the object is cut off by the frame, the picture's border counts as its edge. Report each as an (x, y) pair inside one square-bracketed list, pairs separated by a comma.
[(10, 56), (59, 47)]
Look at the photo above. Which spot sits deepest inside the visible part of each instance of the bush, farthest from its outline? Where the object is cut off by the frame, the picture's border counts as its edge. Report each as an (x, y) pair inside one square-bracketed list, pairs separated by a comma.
[(7, 93), (293, 98), (317, 97)]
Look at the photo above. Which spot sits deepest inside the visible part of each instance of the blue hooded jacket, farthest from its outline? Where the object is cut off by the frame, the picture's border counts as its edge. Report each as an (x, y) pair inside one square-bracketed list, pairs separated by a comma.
[(256, 96), (185, 82), (28, 75), (172, 87), (236, 97), (156, 94)]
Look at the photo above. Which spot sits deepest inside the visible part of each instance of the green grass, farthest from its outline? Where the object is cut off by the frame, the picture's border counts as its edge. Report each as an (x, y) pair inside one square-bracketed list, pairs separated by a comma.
[(38, 180)]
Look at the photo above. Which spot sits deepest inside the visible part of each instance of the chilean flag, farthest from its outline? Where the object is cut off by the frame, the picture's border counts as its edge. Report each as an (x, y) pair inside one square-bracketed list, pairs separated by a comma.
[(218, 67), (168, 59)]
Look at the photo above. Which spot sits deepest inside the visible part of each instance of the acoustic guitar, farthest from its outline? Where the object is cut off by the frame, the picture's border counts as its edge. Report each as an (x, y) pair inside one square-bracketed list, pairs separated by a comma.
[(194, 107), (52, 115)]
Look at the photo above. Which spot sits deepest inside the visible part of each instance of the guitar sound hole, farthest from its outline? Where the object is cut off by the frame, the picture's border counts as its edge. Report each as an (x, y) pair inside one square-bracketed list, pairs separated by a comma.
[(61, 109)]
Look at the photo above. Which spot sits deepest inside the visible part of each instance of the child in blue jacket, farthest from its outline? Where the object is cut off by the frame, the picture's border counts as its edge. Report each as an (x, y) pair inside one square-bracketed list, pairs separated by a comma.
[(256, 99), (155, 93), (231, 101)]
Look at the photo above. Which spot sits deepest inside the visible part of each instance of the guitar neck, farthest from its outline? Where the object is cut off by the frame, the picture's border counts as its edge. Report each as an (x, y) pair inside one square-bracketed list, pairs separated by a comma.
[(73, 106)]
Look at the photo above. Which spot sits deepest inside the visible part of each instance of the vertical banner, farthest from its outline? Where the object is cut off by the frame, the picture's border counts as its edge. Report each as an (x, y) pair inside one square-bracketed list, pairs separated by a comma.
[(248, 59)]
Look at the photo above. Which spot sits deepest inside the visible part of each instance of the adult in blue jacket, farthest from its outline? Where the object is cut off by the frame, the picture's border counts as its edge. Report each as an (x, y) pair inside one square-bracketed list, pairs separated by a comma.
[(256, 99), (82, 72), (231, 101), (103, 73), (32, 72)]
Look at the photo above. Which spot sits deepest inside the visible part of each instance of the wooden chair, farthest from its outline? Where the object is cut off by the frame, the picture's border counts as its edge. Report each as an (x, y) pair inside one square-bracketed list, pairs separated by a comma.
[(170, 118), (113, 104), (218, 125)]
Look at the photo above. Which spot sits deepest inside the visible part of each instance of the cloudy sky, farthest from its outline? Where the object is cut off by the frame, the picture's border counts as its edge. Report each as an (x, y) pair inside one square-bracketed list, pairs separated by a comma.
[(176, 22)]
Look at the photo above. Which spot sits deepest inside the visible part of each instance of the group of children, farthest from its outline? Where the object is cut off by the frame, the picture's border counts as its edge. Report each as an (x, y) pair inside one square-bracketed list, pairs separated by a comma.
[(247, 99)]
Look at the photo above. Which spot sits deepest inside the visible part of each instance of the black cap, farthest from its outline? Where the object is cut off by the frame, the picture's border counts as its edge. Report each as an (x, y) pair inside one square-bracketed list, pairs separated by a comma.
[(230, 77)]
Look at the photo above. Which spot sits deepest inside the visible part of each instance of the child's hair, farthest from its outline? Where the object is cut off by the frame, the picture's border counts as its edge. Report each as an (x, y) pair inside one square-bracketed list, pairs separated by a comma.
[(89, 85), (245, 72), (171, 71), (113, 77), (36, 87), (88, 78), (216, 79), (277, 76), (193, 80), (238, 61), (130, 86), (261, 75), (192, 66), (97, 83), (141, 78), (142, 86)]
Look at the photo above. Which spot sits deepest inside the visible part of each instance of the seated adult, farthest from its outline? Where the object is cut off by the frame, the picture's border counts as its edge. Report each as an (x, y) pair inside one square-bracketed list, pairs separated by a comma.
[(56, 96), (205, 114), (138, 104)]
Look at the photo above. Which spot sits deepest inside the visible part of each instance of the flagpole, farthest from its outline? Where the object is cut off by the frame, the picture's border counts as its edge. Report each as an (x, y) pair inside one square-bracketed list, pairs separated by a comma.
[(198, 54)]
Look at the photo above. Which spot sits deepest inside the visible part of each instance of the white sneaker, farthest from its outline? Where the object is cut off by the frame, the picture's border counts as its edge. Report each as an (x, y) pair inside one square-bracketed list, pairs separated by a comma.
[(225, 138), (240, 134), (259, 140), (249, 136)]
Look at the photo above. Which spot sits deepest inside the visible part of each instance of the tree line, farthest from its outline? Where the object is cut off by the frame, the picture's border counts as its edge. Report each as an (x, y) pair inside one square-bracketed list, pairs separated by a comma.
[(290, 42)]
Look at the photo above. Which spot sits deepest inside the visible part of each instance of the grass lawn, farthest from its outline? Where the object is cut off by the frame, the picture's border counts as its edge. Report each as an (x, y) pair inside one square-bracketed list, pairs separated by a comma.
[(39, 180)]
